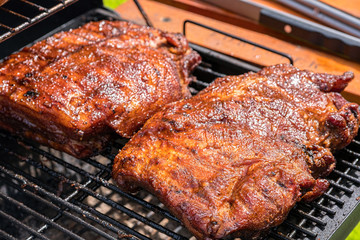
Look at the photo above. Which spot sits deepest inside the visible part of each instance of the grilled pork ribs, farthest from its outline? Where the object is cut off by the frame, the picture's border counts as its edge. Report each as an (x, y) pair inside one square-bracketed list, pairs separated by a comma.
[(234, 159), (71, 91)]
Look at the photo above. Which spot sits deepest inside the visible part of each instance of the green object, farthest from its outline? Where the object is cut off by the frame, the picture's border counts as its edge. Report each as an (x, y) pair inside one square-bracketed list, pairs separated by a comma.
[(113, 3), (355, 234)]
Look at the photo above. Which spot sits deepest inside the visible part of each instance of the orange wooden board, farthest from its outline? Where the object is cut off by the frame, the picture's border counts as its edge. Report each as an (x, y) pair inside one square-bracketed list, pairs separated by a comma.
[(171, 19)]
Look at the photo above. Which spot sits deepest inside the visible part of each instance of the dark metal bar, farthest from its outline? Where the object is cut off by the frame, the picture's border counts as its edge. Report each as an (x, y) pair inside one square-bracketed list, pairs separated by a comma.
[(323, 208), (57, 7), (351, 165), (70, 197), (310, 217), (341, 187), (193, 91), (39, 216), (279, 235), (57, 208), (16, 14), (342, 16), (20, 224), (238, 38), (201, 83), (143, 13), (5, 235), (129, 212), (62, 162), (355, 141), (348, 177), (334, 199), (7, 27), (40, 8), (209, 70), (299, 228), (31, 178), (104, 199), (141, 202), (356, 154), (96, 179), (59, 200), (112, 221), (103, 182), (318, 15)]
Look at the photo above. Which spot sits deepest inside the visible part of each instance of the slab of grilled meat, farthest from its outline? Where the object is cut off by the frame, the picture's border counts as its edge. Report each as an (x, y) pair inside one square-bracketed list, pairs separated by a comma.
[(234, 159), (72, 90)]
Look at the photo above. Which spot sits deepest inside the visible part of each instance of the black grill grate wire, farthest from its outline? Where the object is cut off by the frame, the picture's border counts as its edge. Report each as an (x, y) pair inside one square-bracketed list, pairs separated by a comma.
[(81, 187), (17, 15), (29, 185), (46, 194)]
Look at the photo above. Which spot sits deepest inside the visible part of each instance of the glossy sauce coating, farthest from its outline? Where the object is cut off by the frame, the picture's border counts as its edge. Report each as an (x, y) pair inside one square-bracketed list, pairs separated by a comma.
[(234, 159), (72, 90)]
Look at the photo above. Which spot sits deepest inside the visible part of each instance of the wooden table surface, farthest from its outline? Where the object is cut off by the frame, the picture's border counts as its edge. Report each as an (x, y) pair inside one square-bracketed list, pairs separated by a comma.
[(169, 15)]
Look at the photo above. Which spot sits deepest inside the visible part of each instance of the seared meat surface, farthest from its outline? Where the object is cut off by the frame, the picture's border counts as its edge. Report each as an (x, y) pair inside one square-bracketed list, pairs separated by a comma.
[(234, 159), (72, 90)]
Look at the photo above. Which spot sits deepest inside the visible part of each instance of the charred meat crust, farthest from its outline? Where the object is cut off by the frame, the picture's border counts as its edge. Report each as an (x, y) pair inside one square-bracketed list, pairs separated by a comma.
[(82, 84), (234, 159)]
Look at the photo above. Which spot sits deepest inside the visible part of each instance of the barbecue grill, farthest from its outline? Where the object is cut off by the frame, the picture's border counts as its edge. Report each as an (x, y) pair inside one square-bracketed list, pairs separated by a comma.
[(47, 194)]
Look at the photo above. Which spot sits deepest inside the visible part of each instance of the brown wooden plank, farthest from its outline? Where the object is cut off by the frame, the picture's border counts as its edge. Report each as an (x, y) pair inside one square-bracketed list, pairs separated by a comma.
[(171, 19)]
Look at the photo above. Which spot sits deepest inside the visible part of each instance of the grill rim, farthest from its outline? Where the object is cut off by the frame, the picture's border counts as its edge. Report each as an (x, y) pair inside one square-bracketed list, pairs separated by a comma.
[(272, 233)]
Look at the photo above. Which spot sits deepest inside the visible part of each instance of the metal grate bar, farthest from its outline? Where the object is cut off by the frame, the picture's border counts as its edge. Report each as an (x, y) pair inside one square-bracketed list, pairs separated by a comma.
[(349, 164), (102, 198), (40, 8), (352, 152), (7, 27), (310, 217), (332, 198), (112, 221), (103, 181), (127, 211), (238, 38), (57, 208), (96, 179), (110, 186), (16, 14), (6, 236), (39, 216), (75, 207), (279, 236), (58, 160), (143, 13), (20, 224), (348, 177), (200, 83), (341, 187), (57, 199), (141, 202), (27, 176), (39, 17), (299, 228), (322, 208), (211, 71)]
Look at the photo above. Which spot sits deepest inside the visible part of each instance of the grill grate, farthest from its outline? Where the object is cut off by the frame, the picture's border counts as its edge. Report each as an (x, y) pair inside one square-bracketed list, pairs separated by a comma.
[(16, 16), (46, 194)]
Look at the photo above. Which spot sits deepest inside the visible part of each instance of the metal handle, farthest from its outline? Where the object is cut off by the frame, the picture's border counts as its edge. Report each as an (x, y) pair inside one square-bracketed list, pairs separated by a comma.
[(238, 38), (143, 13), (312, 33)]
